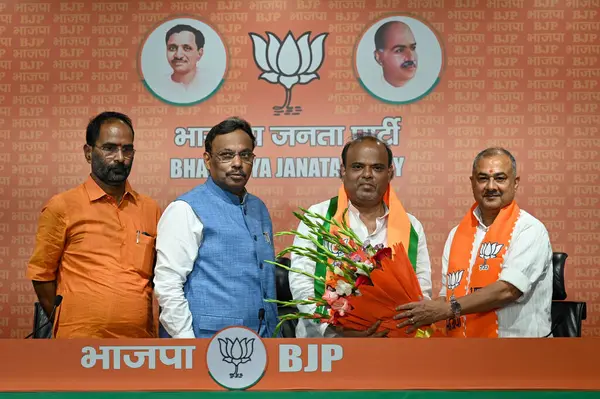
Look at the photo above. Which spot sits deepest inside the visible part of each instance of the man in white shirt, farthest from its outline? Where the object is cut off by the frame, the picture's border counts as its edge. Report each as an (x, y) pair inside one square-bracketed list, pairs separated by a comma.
[(185, 48), (366, 172), (497, 263), (214, 245)]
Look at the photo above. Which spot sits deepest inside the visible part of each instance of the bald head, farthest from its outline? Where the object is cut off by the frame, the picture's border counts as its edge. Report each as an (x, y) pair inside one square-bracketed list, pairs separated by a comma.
[(382, 31), (395, 51)]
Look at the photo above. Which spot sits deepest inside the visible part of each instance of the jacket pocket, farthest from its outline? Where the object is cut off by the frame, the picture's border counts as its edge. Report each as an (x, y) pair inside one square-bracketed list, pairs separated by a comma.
[(207, 325)]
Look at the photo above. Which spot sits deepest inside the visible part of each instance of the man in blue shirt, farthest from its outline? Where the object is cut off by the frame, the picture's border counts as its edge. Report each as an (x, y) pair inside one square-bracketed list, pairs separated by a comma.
[(212, 246)]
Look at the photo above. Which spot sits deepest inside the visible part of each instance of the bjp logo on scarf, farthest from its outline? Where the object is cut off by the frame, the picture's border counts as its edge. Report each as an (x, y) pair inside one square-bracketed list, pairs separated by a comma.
[(488, 250), (454, 279)]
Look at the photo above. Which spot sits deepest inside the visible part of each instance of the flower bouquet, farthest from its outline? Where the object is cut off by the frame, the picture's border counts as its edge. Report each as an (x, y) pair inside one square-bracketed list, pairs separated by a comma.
[(363, 283)]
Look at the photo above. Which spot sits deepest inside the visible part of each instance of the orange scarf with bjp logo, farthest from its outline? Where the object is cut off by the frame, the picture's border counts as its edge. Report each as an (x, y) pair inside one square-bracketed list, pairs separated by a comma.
[(463, 281), (398, 226)]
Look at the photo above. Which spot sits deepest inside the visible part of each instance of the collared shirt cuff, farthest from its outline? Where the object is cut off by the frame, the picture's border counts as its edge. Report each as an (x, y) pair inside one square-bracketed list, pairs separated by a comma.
[(518, 279), (185, 334)]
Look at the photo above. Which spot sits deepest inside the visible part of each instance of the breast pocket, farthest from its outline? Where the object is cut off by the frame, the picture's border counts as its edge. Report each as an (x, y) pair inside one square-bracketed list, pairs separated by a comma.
[(143, 254), (207, 325)]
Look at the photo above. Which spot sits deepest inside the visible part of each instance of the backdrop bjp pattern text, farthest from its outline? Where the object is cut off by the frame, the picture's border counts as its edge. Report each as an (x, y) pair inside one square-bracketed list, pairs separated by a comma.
[(513, 73)]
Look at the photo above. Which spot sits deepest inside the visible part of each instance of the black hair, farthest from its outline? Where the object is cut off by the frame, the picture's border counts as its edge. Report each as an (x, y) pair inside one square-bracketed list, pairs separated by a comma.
[(186, 28), (92, 131), (227, 126), (360, 137)]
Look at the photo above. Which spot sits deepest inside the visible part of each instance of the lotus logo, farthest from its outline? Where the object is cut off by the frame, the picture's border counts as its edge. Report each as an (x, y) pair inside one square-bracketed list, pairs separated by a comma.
[(288, 62), (333, 248), (488, 250), (236, 358), (236, 352), (454, 279)]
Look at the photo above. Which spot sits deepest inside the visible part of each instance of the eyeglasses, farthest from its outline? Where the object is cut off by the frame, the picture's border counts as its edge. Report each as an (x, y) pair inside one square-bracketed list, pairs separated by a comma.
[(111, 150), (229, 156)]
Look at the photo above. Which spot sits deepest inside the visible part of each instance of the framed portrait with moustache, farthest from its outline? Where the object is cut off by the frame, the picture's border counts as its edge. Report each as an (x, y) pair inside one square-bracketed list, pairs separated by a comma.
[(399, 59), (183, 61)]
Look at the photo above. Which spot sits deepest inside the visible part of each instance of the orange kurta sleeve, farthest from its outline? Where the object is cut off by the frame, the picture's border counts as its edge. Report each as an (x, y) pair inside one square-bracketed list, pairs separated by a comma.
[(49, 242)]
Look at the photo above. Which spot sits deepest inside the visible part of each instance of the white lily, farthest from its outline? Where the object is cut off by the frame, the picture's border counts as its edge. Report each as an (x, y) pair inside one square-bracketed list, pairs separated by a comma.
[(343, 288)]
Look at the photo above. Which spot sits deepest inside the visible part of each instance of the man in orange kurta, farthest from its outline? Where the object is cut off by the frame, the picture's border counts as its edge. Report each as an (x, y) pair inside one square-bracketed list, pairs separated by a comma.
[(95, 244)]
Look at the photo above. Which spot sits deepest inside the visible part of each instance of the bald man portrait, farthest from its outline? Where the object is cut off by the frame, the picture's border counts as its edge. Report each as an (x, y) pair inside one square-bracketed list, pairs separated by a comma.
[(395, 51)]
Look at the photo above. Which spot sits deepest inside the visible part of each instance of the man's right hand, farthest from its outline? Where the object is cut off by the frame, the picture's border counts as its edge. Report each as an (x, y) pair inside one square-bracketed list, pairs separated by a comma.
[(371, 332)]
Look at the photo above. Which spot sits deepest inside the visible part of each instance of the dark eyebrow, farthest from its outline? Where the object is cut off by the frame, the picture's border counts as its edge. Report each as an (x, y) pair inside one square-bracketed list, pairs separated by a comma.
[(363, 164), (495, 174), (230, 150)]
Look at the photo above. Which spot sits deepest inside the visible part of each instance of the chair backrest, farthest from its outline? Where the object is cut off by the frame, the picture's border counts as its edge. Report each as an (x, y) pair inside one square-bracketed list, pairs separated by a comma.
[(567, 316), (282, 282), (40, 318), (559, 292)]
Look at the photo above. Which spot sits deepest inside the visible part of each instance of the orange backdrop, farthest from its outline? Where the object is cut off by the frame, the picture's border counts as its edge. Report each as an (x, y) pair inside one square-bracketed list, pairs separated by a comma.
[(520, 74)]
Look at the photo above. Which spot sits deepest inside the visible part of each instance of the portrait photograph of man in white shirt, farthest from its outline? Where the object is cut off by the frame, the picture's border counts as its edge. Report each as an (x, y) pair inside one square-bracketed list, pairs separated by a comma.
[(185, 47), (396, 52), (183, 62), (399, 59)]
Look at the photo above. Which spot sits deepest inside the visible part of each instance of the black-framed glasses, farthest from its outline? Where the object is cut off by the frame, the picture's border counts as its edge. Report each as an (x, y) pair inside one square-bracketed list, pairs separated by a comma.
[(111, 150), (229, 156)]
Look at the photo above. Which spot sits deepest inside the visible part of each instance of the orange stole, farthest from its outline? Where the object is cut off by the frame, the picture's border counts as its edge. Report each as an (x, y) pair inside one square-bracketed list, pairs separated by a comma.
[(487, 267)]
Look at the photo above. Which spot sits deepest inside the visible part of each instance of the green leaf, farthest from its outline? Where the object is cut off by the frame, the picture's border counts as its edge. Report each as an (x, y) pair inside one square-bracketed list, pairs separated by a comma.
[(296, 271)]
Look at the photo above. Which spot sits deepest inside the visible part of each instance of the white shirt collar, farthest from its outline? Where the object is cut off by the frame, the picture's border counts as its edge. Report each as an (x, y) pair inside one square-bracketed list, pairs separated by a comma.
[(191, 86), (352, 208), (479, 217)]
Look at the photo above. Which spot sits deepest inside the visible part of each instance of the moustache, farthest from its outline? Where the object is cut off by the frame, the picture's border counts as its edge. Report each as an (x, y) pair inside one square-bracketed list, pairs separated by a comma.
[(366, 184), (237, 173), (118, 168), (408, 64), (492, 194)]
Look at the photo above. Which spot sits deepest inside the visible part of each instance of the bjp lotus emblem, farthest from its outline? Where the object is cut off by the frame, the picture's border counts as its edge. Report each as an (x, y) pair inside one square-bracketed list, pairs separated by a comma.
[(288, 62), (242, 348), (488, 250), (454, 279), (236, 352)]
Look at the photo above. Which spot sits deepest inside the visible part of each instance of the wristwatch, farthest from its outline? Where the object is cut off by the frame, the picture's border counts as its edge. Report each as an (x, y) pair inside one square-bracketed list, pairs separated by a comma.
[(455, 307)]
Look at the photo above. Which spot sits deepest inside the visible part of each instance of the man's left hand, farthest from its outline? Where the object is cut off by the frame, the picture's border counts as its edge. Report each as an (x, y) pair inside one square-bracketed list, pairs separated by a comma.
[(422, 313)]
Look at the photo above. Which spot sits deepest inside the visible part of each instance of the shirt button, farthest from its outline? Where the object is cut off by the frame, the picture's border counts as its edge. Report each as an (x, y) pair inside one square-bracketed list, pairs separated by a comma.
[(255, 238), (261, 266)]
